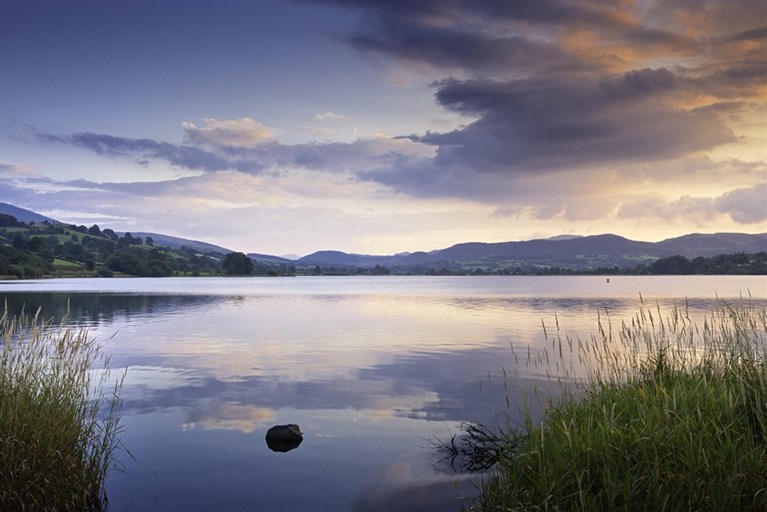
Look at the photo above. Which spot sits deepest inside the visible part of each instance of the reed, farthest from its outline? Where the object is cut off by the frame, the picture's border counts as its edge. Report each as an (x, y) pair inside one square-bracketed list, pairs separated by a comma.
[(59, 417), (671, 415)]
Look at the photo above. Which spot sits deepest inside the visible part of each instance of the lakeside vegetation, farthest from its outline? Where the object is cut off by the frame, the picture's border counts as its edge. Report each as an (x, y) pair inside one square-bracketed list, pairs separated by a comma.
[(672, 415), (58, 421)]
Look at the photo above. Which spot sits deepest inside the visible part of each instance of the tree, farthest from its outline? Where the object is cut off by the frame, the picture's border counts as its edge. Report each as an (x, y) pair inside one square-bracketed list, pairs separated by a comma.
[(128, 263), (674, 265), (8, 221), (37, 244), (237, 264)]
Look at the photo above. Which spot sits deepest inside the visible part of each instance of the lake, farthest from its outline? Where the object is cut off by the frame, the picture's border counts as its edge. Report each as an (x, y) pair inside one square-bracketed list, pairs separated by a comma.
[(371, 368)]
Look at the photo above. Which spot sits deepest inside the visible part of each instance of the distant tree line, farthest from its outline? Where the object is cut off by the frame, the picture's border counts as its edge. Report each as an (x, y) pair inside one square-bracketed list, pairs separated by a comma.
[(728, 264), (29, 250), (724, 264)]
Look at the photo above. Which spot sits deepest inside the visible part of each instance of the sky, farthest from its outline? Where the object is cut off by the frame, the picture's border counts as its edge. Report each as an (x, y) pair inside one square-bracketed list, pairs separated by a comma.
[(378, 127)]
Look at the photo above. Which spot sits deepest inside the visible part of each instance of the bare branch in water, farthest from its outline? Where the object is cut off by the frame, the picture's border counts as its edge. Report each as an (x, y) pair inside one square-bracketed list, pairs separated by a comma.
[(476, 449)]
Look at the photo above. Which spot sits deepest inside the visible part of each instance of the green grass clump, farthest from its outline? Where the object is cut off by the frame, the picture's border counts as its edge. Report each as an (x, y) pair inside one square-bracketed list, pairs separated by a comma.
[(58, 427), (672, 417)]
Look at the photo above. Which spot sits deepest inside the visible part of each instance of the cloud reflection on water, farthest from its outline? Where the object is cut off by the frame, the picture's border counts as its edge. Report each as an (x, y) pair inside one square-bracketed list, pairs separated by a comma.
[(367, 375)]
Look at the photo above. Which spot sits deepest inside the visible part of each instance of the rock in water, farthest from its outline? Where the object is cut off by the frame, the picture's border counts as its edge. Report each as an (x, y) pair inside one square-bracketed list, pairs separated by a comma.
[(290, 432), (283, 438)]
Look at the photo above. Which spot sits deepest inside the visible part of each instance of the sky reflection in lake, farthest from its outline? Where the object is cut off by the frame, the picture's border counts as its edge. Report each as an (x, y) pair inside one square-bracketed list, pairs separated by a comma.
[(370, 368)]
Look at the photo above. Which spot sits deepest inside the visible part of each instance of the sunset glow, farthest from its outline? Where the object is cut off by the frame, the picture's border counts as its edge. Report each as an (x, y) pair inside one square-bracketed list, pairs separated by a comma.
[(382, 127)]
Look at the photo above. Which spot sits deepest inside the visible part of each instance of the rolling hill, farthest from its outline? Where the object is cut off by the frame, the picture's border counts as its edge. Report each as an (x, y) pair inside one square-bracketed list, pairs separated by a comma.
[(24, 215), (578, 253), (172, 242)]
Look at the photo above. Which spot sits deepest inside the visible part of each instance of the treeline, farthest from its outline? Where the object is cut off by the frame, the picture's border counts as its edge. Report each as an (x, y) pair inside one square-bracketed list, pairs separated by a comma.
[(724, 264), (739, 263)]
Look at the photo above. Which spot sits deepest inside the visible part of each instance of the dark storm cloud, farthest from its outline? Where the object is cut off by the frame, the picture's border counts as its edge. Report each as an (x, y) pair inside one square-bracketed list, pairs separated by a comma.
[(740, 80), (549, 86), (748, 35), (607, 16), (493, 36), (531, 125), (449, 48), (575, 102), (425, 177)]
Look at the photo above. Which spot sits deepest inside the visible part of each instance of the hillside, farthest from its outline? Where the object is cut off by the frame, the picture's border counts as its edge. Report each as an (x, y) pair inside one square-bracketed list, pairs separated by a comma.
[(24, 215), (586, 253), (561, 254), (697, 244), (172, 242)]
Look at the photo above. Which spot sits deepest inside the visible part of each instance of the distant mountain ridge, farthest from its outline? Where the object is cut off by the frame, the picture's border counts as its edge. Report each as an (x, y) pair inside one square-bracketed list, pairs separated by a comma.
[(565, 251), (577, 253)]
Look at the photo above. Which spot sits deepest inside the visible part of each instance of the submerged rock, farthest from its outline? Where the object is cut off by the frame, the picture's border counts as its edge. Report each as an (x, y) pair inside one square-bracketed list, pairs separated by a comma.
[(283, 438)]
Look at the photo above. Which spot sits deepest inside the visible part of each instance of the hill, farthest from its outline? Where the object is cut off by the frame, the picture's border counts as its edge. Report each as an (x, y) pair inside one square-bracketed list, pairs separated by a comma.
[(584, 253), (269, 259), (173, 242), (564, 253), (697, 244), (24, 215)]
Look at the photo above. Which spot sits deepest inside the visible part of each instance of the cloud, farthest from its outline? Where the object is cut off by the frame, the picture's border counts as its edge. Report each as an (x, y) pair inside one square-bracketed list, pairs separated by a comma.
[(566, 105), (241, 145), (454, 49), (567, 86), (529, 126), (748, 35), (18, 170), (575, 86), (743, 205), (699, 210), (212, 414), (180, 155), (328, 116), (242, 132), (489, 35)]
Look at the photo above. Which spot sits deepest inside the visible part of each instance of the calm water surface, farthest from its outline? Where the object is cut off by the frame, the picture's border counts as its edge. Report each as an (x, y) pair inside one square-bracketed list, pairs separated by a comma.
[(371, 368)]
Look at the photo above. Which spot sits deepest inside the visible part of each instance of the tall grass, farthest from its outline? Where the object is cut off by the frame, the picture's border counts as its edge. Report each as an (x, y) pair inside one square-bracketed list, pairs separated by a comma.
[(58, 423), (672, 416)]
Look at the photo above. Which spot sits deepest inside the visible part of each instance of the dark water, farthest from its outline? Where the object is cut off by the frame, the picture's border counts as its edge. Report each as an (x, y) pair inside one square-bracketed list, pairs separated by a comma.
[(371, 368)]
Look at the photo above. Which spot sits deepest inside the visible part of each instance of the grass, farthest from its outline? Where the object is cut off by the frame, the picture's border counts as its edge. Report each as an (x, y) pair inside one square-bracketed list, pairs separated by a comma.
[(59, 263), (671, 416), (58, 425)]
